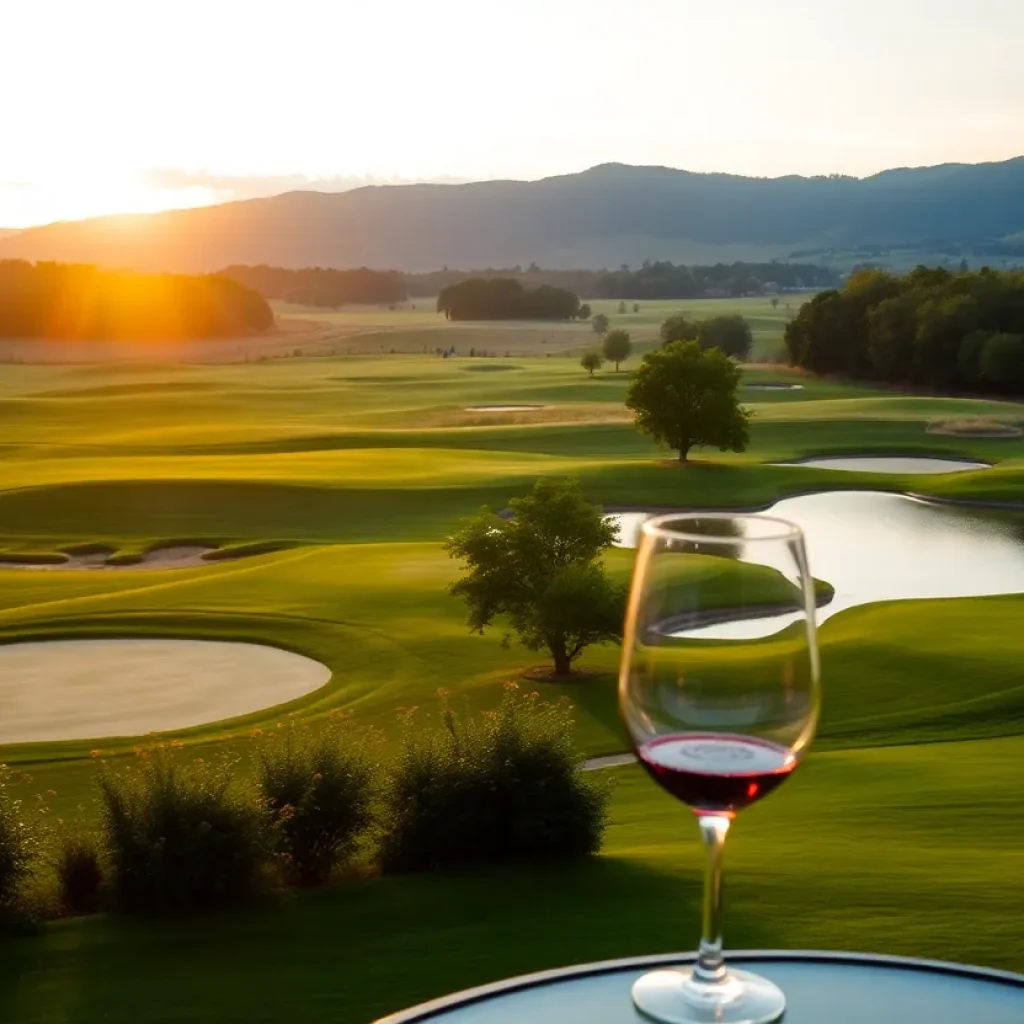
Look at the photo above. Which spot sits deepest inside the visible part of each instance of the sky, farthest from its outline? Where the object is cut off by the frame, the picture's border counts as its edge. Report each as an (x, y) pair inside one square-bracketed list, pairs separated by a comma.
[(139, 105)]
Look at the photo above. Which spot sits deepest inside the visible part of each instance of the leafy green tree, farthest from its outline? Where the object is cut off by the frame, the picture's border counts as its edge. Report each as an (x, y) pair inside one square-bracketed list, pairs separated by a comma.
[(599, 323), (775, 302), (591, 361), (685, 397), (541, 567), (1002, 361), (584, 313), (678, 328), (636, 307), (731, 334), (616, 347), (622, 307)]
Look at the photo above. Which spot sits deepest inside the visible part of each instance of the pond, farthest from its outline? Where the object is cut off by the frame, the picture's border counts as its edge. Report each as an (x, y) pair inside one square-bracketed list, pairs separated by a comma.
[(917, 464), (873, 546)]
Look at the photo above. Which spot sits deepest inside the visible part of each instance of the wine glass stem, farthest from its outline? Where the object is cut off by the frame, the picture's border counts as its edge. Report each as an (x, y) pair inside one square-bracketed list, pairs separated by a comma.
[(710, 966)]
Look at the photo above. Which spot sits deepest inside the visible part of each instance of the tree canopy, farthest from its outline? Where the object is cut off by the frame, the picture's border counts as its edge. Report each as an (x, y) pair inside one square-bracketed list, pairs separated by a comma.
[(931, 327), (685, 397), (730, 333), (72, 302), (599, 323), (591, 361), (503, 298), (616, 347), (679, 328), (541, 567)]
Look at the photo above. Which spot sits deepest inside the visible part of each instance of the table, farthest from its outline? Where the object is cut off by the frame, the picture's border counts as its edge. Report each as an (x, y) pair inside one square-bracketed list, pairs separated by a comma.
[(821, 988)]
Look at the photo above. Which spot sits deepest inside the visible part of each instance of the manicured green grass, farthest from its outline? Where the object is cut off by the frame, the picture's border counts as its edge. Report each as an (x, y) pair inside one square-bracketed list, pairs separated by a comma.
[(361, 467)]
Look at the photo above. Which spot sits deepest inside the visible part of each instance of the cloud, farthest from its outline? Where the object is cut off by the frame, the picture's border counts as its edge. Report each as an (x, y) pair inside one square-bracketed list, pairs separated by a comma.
[(256, 186)]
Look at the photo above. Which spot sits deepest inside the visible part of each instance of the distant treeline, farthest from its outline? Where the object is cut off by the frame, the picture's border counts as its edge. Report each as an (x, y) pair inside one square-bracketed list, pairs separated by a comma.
[(652, 280), (320, 286), (932, 327), (324, 287), (503, 298), (65, 301)]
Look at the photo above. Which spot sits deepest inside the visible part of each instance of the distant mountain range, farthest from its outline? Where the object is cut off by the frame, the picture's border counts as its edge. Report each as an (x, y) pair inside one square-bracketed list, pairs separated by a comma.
[(603, 217)]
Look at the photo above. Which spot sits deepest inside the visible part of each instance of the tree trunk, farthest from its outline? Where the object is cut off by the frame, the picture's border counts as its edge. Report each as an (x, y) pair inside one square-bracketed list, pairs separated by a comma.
[(684, 454), (563, 666), (616, 367)]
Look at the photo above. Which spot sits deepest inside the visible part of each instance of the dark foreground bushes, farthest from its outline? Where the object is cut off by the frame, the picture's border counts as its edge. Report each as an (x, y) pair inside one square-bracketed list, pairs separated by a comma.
[(318, 785), (180, 837), (181, 834), (18, 847), (507, 786)]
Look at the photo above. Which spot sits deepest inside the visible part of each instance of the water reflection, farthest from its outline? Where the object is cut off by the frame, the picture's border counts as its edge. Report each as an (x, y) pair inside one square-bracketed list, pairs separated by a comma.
[(873, 546)]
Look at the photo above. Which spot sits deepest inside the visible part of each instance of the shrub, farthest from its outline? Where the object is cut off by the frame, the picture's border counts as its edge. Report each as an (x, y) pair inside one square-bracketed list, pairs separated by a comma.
[(177, 836), (318, 784), (18, 846), (79, 873), (506, 786)]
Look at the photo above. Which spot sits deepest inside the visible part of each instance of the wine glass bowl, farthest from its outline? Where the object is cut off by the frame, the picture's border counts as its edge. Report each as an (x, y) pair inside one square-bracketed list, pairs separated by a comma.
[(719, 692)]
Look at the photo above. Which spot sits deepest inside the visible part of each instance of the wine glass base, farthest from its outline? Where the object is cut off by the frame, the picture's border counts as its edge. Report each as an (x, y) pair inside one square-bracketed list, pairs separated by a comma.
[(676, 997)]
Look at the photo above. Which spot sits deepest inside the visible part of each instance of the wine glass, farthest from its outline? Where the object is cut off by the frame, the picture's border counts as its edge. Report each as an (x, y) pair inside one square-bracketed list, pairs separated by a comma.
[(719, 691)]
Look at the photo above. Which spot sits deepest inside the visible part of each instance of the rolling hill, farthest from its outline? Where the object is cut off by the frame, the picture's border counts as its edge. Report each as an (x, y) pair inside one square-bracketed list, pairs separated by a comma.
[(604, 216)]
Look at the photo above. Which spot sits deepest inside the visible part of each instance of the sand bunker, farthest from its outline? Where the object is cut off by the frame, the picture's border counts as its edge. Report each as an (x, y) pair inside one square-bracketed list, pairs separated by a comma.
[(924, 464), (976, 427), (88, 689), (503, 408), (178, 556)]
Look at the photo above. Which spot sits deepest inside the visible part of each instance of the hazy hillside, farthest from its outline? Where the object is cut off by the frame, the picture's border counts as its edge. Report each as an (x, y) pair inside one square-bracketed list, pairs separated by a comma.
[(7, 232), (606, 216)]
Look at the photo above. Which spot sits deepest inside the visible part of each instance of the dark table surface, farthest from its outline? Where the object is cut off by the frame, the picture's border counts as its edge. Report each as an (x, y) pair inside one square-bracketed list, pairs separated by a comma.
[(821, 988)]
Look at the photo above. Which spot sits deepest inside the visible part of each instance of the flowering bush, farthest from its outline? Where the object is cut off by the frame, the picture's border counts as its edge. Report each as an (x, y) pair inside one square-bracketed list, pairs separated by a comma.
[(318, 783), (178, 835), (18, 845)]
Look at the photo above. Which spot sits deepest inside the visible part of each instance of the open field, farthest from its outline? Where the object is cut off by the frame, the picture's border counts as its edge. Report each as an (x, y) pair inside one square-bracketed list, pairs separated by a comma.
[(359, 467), (413, 328)]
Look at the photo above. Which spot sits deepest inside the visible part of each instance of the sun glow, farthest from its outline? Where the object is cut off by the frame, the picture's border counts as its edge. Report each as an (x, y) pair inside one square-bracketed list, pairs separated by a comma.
[(91, 194)]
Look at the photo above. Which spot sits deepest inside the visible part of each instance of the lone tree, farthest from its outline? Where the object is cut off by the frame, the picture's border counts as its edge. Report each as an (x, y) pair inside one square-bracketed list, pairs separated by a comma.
[(622, 307), (584, 312), (592, 361), (616, 347), (678, 328), (599, 323), (685, 397), (541, 567)]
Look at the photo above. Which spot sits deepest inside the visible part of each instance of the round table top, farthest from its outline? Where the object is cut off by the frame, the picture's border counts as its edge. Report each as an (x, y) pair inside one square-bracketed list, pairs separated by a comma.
[(837, 988)]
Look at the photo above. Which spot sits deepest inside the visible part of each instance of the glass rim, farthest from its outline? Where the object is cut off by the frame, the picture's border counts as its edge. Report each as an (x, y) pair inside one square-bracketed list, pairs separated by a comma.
[(658, 527)]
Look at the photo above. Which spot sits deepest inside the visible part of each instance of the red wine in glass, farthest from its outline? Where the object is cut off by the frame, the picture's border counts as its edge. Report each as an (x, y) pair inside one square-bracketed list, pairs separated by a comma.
[(715, 773)]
